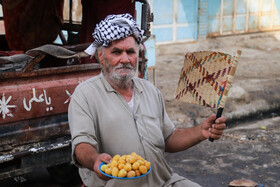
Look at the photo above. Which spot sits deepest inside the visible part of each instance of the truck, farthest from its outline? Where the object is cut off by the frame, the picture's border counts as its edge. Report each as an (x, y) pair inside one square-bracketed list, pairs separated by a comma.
[(34, 129), (35, 91)]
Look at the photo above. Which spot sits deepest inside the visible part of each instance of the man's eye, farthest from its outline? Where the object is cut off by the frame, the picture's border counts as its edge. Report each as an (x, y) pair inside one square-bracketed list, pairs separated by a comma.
[(130, 52), (116, 52)]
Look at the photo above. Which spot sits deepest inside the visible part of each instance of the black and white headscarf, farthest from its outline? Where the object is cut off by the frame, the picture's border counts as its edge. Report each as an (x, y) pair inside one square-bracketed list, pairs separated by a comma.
[(114, 27)]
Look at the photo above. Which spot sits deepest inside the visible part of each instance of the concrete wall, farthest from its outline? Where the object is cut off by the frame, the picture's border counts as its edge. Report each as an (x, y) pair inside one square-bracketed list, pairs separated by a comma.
[(227, 17), (189, 20), (174, 20)]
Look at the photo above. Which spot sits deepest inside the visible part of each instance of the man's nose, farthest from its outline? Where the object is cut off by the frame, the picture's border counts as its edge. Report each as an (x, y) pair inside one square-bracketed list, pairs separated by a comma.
[(124, 58)]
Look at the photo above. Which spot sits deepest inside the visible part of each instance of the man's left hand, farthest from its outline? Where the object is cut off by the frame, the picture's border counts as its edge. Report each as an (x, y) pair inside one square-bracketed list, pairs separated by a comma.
[(213, 127)]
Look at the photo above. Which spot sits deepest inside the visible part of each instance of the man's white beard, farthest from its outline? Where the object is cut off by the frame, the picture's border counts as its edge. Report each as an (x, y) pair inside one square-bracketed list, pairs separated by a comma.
[(119, 80)]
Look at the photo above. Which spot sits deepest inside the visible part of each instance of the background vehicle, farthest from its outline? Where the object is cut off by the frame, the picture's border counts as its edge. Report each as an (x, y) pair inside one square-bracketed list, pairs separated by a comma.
[(35, 90)]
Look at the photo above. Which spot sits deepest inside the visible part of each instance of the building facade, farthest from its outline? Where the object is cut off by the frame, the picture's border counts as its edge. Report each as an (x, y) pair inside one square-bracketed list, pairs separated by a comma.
[(190, 20)]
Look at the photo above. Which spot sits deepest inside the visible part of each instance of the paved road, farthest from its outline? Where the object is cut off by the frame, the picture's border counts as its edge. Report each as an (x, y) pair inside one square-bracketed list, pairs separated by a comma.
[(247, 151)]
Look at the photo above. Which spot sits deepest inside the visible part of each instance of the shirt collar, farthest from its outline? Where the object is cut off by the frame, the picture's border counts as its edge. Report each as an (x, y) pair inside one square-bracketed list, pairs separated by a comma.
[(136, 84)]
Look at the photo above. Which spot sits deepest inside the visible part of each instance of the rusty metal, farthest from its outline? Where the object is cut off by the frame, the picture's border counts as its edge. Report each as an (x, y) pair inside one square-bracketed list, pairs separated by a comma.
[(63, 39), (33, 62), (32, 131), (45, 154), (49, 71), (33, 116), (146, 17), (40, 93), (34, 150)]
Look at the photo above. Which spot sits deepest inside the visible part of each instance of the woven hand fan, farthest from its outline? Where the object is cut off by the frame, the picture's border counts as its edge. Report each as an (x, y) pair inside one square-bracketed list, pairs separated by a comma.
[(206, 78)]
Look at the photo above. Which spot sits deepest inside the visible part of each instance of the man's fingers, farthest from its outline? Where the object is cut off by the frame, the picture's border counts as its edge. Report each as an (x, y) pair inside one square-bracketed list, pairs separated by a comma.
[(106, 158), (214, 127), (212, 118), (219, 126), (220, 120), (208, 122), (216, 130), (216, 137), (215, 134)]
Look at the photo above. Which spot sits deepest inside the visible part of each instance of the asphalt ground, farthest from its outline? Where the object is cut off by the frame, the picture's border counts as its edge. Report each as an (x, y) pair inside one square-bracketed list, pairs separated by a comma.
[(250, 150)]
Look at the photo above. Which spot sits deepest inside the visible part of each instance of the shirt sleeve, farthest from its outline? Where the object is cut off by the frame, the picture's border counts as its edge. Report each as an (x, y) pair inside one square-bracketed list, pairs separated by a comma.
[(168, 126), (81, 123)]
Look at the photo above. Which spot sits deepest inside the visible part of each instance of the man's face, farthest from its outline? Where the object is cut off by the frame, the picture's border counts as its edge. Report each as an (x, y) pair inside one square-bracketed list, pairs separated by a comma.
[(119, 60)]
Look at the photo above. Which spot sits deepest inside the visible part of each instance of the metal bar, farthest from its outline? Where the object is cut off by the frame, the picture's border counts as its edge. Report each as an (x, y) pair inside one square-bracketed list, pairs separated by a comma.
[(74, 26), (70, 11), (50, 71), (54, 146), (64, 42), (33, 63), (144, 17), (30, 162)]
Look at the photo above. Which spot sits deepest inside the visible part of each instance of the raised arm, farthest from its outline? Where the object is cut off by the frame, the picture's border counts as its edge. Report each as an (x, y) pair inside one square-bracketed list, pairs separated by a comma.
[(184, 138)]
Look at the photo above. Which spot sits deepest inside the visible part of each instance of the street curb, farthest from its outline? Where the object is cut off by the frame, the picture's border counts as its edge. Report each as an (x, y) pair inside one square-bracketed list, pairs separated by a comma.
[(260, 113)]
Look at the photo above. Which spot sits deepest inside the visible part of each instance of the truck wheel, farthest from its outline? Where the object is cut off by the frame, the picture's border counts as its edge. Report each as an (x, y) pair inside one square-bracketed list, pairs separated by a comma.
[(64, 173)]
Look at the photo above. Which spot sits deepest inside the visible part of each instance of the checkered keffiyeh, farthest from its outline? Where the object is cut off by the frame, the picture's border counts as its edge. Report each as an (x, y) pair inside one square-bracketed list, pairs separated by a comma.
[(114, 27)]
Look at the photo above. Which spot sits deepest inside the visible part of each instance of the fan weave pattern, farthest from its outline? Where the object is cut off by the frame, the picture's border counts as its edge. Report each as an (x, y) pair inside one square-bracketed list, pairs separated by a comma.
[(206, 77)]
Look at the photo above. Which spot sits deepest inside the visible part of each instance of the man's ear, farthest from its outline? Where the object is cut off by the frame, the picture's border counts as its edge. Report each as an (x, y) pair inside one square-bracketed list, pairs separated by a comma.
[(99, 56)]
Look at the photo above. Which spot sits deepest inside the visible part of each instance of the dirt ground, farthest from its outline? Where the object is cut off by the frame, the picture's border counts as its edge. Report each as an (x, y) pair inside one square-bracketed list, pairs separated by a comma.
[(257, 75), (248, 150), (256, 82)]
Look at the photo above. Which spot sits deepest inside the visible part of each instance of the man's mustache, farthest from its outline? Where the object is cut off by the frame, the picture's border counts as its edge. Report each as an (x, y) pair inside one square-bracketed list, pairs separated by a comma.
[(121, 66)]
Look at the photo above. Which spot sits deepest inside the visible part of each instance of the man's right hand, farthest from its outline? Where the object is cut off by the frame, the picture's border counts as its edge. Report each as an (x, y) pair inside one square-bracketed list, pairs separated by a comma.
[(98, 160), (88, 156)]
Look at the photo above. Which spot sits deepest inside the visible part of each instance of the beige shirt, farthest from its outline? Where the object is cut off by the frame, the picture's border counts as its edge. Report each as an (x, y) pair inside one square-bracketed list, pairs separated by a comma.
[(100, 116)]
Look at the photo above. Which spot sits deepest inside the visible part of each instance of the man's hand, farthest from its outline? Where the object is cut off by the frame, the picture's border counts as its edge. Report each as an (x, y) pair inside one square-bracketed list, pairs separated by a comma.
[(101, 158), (213, 128), (88, 156)]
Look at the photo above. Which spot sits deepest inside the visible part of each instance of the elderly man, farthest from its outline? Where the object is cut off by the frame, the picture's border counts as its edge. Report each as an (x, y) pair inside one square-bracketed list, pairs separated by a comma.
[(118, 113)]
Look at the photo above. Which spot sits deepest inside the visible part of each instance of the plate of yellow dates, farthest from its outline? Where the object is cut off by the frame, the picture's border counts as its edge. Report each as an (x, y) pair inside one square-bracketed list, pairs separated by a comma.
[(126, 167)]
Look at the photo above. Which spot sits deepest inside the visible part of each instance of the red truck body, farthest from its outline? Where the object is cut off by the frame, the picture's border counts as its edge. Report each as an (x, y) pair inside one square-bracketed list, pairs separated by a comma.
[(34, 129)]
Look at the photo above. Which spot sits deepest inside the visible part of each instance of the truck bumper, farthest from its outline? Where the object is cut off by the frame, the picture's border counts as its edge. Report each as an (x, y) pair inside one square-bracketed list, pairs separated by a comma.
[(48, 153)]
